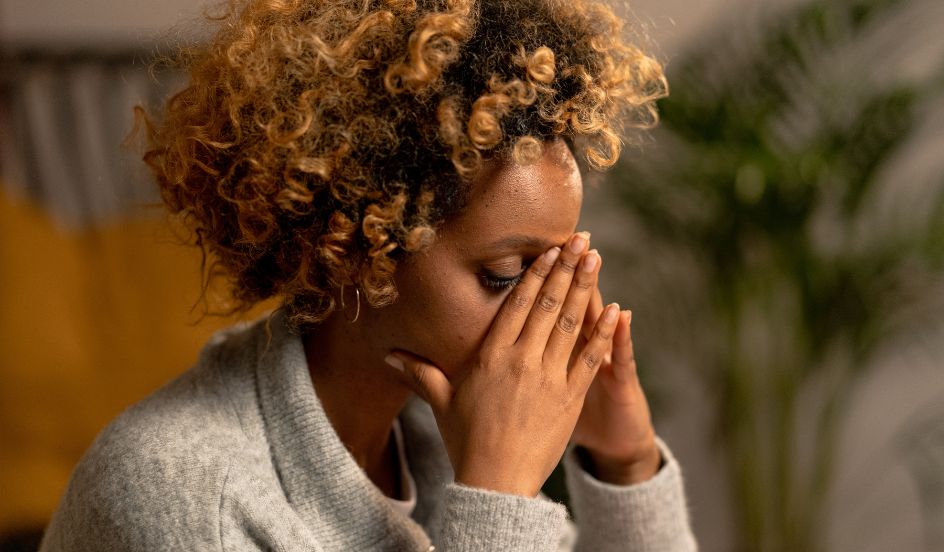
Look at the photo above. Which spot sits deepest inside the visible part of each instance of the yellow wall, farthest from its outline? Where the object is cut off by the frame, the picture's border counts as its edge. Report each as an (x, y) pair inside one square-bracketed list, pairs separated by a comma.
[(90, 322)]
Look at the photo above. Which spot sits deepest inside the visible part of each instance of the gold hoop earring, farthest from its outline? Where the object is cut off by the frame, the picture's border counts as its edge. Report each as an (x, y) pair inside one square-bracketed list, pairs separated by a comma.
[(357, 312)]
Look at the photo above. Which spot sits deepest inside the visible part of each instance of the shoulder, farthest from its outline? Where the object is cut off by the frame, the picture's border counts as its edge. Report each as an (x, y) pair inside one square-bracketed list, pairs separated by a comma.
[(203, 414), (156, 473)]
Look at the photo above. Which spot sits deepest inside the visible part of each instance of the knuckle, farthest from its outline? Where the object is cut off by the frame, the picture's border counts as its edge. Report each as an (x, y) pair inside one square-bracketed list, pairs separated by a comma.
[(548, 302), (584, 284), (604, 334), (518, 367), (540, 270), (520, 300), (568, 265), (567, 322), (590, 359)]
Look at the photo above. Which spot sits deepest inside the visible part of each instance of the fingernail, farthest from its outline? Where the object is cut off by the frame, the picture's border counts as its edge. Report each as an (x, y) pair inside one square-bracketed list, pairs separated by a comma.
[(629, 317), (551, 255), (394, 361), (579, 242), (590, 261), (612, 310)]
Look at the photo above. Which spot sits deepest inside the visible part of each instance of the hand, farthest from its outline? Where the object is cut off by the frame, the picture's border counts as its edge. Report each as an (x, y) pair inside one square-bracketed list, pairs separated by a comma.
[(615, 426), (507, 423)]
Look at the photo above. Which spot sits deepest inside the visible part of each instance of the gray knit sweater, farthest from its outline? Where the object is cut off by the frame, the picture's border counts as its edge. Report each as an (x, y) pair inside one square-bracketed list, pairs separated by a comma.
[(238, 454)]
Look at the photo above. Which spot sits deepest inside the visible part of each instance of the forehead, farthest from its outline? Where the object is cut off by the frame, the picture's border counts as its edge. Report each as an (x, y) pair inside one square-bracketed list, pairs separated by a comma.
[(540, 200)]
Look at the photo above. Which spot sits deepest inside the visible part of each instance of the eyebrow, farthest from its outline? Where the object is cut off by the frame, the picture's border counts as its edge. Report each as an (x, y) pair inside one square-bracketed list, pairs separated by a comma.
[(519, 241)]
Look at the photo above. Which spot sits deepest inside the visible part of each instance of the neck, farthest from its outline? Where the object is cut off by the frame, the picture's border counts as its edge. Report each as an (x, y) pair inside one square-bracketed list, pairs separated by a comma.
[(360, 395)]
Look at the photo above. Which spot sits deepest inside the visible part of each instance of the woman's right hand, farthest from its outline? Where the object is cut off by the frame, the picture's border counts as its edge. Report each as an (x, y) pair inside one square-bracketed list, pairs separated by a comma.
[(507, 423)]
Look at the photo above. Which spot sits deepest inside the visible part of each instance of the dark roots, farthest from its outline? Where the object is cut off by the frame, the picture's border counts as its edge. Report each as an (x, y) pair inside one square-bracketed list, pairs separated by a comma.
[(318, 141)]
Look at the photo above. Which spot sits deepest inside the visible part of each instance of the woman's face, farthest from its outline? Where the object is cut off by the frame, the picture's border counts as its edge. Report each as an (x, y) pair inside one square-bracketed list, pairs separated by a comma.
[(450, 293)]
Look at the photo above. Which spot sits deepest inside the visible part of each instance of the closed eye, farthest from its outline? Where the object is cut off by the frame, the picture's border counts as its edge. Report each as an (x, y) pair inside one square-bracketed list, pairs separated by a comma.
[(501, 283)]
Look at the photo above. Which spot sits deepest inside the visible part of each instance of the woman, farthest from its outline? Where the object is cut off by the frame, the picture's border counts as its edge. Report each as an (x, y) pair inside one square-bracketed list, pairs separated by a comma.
[(404, 177)]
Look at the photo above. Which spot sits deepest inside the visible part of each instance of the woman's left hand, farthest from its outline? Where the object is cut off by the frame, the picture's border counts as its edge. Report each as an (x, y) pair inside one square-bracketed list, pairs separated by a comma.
[(615, 426)]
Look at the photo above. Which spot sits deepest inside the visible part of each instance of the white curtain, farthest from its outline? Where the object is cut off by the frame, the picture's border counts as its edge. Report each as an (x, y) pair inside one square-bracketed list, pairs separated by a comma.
[(63, 119)]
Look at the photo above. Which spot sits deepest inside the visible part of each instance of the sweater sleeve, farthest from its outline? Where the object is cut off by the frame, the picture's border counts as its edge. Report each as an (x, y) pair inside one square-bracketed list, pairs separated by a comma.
[(648, 516), (478, 519)]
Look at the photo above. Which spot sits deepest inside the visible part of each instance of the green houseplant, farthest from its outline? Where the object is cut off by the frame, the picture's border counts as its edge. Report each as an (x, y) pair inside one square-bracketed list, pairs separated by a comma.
[(772, 173)]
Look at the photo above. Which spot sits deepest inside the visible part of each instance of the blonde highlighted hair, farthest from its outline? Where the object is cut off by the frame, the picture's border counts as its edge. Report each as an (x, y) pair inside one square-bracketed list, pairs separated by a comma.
[(318, 141)]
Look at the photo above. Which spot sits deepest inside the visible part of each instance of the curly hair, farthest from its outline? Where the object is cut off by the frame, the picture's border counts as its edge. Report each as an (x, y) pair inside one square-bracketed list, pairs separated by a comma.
[(318, 141)]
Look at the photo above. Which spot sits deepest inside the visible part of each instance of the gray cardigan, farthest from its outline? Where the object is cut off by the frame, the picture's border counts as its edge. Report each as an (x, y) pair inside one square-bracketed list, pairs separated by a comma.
[(238, 454)]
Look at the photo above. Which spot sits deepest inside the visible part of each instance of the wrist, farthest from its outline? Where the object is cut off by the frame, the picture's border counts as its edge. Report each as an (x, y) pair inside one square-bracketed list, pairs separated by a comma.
[(618, 471), (488, 482)]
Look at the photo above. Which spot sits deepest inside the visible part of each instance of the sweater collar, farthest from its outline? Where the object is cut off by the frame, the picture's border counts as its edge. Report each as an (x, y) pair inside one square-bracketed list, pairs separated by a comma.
[(321, 479)]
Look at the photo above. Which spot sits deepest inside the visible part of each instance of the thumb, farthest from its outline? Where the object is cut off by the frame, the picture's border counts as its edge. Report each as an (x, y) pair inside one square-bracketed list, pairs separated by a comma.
[(423, 378)]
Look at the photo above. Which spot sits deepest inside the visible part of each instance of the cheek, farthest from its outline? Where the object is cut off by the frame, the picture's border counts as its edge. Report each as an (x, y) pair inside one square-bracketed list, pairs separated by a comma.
[(468, 320), (450, 316)]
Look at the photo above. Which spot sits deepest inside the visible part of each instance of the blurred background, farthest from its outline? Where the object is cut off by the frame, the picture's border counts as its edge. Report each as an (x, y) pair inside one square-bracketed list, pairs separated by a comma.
[(780, 239)]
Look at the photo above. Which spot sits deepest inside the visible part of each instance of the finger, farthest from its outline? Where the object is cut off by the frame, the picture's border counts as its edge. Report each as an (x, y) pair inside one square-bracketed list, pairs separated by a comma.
[(514, 311), (585, 367), (423, 378), (543, 316), (594, 310), (569, 323), (624, 361)]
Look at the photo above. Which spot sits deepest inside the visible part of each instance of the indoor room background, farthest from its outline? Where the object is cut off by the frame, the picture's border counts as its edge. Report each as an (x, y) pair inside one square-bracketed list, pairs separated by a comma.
[(780, 239)]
